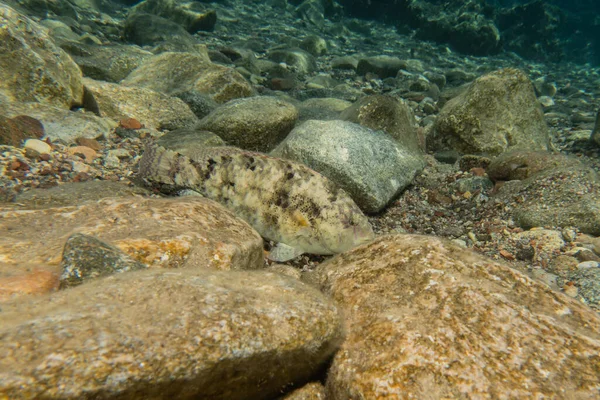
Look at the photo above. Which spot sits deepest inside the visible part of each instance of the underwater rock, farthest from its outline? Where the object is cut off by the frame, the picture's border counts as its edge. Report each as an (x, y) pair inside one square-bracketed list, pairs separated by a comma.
[(370, 165), (182, 14), (386, 113), (156, 334), (382, 66), (596, 132), (189, 141), (560, 197), (519, 165), (61, 124), (153, 109), (552, 190), (201, 104), (173, 73), (315, 45), (15, 131), (323, 109), (72, 194), (85, 258), (427, 318), (32, 67), (310, 391), (467, 32), (110, 63), (149, 30), (497, 112), (253, 123), (302, 61), (186, 232)]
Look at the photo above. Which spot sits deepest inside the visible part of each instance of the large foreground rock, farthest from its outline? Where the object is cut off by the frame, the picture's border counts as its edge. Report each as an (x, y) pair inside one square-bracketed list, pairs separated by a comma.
[(370, 165), (161, 233), (427, 319), (32, 67), (181, 334), (498, 112)]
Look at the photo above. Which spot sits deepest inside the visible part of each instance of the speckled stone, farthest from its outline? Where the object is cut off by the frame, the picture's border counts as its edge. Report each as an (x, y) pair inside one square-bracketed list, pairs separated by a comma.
[(156, 334), (498, 112), (85, 257), (371, 166), (311, 391), (427, 319)]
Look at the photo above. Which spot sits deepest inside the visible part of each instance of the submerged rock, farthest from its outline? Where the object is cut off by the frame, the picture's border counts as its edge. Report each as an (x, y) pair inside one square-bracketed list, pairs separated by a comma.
[(85, 258), (497, 112), (152, 109), (32, 67), (371, 166), (184, 334), (428, 319), (173, 73), (253, 123)]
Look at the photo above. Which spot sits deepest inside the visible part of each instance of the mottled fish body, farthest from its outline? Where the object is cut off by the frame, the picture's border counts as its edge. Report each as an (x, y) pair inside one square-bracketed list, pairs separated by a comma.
[(284, 201)]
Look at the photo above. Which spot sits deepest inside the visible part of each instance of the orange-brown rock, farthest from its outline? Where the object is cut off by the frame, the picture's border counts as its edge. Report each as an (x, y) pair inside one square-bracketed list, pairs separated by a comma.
[(84, 152), (180, 232), (190, 333), (427, 319), (36, 280)]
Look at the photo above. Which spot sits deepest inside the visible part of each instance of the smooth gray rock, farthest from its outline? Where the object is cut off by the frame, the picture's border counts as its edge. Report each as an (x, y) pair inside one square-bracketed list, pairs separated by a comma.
[(370, 165), (153, 109), (157, 334), (382, 66), (61, 124), (111, 63)]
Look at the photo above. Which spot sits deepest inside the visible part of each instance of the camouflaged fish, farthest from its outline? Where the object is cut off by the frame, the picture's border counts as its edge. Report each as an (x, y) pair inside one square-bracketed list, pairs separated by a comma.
[(285, 201)]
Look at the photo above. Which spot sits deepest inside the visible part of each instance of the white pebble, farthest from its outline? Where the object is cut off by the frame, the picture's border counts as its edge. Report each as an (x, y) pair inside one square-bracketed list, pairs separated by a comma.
[(38, 145)]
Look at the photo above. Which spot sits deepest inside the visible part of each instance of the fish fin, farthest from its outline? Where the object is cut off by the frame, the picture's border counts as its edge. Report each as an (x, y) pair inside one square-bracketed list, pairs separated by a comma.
[(282, 252)]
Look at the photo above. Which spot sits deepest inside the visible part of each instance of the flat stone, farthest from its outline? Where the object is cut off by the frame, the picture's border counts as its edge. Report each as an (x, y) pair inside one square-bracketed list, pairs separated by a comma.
[(156, 334), (38, 146), (161, 233), (72, 194), (152, 109), (61, 124), (428, 319)]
